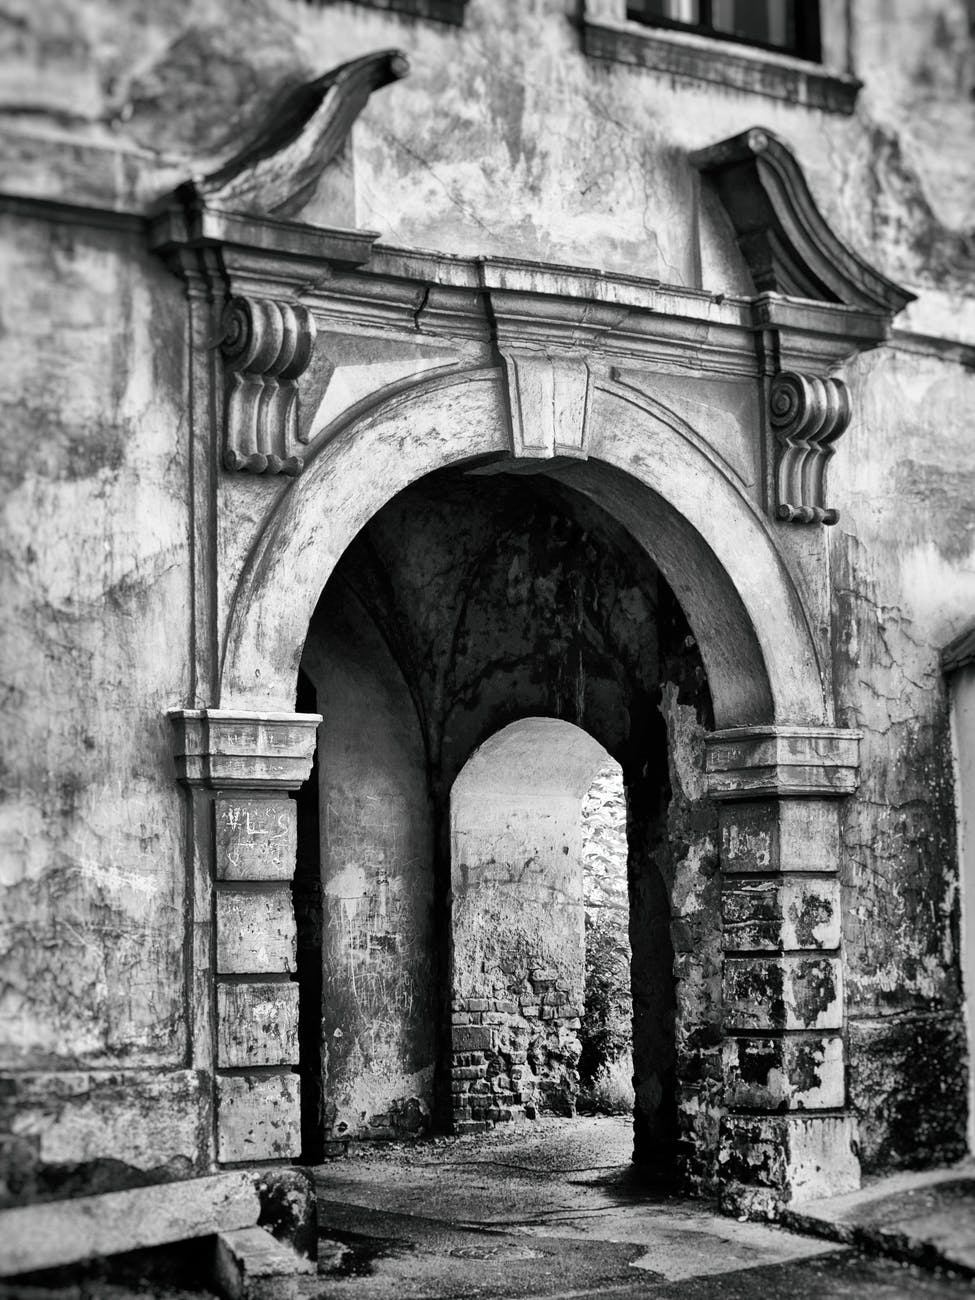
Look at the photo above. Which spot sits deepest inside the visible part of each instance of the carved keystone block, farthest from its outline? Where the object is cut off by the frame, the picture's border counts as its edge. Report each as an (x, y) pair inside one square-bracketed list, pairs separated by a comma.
[(770, 1161), (548, 398), (783, 914), (257, 1024), (255, 932), (799, 1072), (786, 992), (767, 835), (256, 839), (258, 1118)]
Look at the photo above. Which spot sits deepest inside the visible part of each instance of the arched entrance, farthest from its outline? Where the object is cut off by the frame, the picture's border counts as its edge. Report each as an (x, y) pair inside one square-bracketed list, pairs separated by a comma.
[(468, 603), (770, 1044)]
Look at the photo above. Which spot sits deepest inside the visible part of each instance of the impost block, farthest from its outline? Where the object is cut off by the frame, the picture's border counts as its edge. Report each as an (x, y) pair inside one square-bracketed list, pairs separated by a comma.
[(755, 762)]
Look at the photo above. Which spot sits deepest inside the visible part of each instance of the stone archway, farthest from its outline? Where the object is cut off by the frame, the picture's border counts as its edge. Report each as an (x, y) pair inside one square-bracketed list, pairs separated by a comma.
[(775, 764)]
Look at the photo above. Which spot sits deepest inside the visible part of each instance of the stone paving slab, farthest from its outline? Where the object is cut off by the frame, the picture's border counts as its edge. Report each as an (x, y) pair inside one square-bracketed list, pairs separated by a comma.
[(927, 1218)]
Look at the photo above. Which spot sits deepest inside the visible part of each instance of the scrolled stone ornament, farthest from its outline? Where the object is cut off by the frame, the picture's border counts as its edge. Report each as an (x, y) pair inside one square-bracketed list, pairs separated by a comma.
[(807, 415), (266, 346)]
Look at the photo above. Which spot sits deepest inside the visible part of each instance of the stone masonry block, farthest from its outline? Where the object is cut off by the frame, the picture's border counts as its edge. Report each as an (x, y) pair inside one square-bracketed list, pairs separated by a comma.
[(787, 913), (257, 1024), (86, 1227), (226, 749), (256, 839), (250, 1264), (770, 835), (785, 992), (789, 1073), (756, 762), (473, 1038), (255, 932), (770, 1161), (258, 1118)]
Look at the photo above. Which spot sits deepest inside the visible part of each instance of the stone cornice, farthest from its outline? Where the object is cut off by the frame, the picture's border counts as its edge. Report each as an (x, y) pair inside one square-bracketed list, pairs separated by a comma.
[(223, 749), (765, 761)]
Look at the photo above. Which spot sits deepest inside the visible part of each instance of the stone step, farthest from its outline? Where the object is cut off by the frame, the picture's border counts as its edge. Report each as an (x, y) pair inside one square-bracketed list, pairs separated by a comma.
[(54, 1233)]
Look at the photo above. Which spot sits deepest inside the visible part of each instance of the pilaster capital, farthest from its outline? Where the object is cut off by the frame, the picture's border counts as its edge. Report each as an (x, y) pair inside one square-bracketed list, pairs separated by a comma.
[(230, 749), (785, 761)]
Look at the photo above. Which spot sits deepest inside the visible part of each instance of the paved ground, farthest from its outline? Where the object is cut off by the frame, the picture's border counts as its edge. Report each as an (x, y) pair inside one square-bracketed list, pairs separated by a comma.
[(554, 1211), (924, 1217)]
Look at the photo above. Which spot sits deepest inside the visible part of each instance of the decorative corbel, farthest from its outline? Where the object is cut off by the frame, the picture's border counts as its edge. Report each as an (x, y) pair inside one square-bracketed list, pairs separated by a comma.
[(266, 345), (807, 415)]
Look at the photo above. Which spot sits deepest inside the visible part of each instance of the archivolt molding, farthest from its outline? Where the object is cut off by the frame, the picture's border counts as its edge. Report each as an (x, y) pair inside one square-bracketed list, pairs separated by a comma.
[(712, 544)]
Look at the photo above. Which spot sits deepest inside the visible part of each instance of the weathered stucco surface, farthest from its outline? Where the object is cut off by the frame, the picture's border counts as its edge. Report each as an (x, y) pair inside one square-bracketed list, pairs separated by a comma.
[(463, 608), (95, 649), (903, 562)]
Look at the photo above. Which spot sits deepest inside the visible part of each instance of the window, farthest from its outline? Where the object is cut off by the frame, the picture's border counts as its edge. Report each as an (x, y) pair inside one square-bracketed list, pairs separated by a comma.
[(791, 26)]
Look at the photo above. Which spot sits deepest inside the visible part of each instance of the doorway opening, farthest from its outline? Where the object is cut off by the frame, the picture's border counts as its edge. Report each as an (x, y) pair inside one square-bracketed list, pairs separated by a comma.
[(539, 928), (470, 608)]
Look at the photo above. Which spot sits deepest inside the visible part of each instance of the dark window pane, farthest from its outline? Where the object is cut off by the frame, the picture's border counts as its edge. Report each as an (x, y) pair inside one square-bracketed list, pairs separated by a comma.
[(791, 25), (768, 22), (676, 11)]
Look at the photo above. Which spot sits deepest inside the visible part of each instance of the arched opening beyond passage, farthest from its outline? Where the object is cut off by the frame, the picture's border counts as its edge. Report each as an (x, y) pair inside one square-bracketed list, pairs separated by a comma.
[(541, 973), (466, 606)]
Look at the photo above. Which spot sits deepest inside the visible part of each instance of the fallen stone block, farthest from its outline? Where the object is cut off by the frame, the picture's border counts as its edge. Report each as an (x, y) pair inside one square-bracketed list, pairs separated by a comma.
[(55, 1233), (250, 1264)]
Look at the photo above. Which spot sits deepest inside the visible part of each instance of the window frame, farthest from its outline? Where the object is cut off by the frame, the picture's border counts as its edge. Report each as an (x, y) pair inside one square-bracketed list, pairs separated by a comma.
[(808, 34)]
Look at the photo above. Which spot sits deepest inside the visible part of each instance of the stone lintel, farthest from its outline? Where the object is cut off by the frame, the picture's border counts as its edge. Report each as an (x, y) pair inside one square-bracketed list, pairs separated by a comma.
[(787, 991), (785, 1072), (770, 1161), (781, 913), (229, 749), (755, 762)]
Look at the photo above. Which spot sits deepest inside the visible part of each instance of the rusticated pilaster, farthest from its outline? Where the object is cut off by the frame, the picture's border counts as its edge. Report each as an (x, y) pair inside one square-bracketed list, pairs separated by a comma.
[(807, 415), (267, 345), (786, 1135), (239, 768)]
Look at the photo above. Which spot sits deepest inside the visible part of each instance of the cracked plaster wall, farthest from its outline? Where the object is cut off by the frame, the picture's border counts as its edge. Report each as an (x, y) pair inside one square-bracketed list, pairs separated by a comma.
[(94, 573), (903, 575)]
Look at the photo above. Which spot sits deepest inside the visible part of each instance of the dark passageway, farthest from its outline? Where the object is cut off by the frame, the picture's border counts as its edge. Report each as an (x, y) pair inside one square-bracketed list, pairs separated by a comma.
[(468, 606)]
